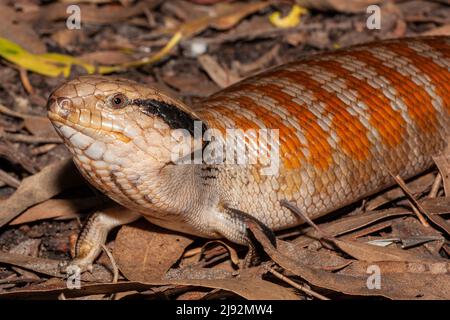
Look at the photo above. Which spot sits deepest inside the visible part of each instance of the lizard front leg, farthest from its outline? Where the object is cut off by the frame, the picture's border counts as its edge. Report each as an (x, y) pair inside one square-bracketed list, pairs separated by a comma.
[(94, 234)]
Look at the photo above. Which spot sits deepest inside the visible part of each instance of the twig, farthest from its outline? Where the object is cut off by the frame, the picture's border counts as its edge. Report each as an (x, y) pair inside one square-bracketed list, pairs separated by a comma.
[(29, 139), (415, 205), (26, 81), (296, 285), (435, 187), (294, 209), (43, 149), (8, 179), (11, 113), (19, 280)]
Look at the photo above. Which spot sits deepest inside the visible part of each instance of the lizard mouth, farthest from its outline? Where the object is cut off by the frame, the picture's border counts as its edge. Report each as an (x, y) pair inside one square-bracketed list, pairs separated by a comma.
[(62, 113)]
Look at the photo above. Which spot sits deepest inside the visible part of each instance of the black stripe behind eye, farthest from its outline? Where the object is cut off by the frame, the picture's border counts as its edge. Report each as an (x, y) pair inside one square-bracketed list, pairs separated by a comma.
[(173, 116)]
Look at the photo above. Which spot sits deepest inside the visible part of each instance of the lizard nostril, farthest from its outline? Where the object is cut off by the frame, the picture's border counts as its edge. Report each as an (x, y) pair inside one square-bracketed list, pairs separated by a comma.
[(62, 106)]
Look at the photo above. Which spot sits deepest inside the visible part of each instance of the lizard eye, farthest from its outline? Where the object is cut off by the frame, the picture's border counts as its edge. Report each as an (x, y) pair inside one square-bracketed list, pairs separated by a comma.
[(118, 101)]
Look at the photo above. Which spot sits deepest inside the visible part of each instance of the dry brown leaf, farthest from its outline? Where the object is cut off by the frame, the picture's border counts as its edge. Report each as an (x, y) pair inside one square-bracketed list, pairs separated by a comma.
[(57, 208), (248, 285), (222, 17), (412, 233), (53, 288), (45, 184), (228, 15), (51, 267), (107, 57), (144, 251), (40, 126), (311, 258), (221, 76), (373, 253)]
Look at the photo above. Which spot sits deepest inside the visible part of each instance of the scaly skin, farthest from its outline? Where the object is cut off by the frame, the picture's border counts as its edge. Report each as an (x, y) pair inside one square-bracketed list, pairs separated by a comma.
[(345, 119)]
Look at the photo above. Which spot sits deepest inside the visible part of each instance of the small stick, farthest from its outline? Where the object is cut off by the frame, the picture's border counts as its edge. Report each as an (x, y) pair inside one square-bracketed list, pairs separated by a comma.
[(26, 81), (29, 139), (435, 187), (415, 205), (298, 212), (8, 179), (296, 285), (43, 149)]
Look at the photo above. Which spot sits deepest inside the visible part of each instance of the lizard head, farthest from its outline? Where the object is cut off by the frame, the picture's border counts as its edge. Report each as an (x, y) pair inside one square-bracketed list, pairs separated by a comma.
[(118, 131)]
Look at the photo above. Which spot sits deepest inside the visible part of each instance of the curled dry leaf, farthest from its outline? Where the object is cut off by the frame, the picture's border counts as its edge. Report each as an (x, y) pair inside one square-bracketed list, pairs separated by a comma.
[(37, 188), (233, 254)]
